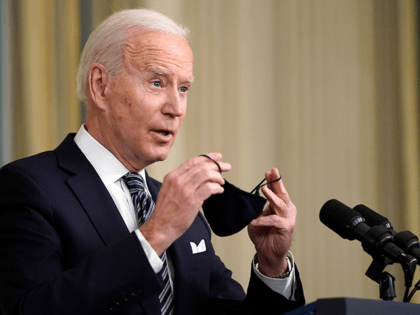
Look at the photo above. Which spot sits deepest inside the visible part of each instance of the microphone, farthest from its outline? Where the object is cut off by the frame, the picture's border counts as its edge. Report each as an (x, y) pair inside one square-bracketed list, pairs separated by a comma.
[(373, 218), (405, 240), (343, 220), (349, 224)]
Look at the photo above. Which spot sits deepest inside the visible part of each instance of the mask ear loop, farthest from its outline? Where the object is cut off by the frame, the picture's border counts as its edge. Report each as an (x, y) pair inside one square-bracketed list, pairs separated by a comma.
[(257, 189), (220, 169)]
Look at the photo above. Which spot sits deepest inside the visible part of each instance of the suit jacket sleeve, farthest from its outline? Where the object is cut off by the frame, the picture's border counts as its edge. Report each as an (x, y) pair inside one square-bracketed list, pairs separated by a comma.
[(262, 300), (41, 273)]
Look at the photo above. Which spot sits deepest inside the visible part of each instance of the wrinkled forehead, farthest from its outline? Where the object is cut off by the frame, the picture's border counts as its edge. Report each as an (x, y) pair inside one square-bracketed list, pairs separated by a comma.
[(144, 46)]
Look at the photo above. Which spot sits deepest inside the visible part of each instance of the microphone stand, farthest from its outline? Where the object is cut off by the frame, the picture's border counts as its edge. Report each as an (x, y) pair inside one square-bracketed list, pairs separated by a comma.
[(386, 280), (387, 287), (378, 242)]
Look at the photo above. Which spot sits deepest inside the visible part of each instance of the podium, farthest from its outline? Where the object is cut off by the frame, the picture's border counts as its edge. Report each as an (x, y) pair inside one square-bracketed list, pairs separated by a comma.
[(352, 306)]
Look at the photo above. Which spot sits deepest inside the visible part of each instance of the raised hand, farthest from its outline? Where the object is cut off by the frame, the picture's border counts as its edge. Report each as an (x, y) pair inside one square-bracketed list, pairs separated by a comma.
[(181, 197), (272, 232)]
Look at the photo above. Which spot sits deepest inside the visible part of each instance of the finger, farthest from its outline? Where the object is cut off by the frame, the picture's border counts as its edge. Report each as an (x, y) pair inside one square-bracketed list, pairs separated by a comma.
[(215, 162), (192, 174), (275, 185), (200, 176), (278, 187), (225, 166), (207, 189), (216, 158), (275, 201), (267, 221), (283, 192)]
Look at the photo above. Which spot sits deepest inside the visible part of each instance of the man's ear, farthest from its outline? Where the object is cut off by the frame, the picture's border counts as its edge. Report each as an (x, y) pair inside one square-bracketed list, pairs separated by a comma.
[(98, 83)]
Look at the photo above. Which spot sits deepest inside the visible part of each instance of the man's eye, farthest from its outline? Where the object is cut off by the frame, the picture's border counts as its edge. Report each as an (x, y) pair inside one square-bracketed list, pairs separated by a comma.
[(156, 83), (183, 89)]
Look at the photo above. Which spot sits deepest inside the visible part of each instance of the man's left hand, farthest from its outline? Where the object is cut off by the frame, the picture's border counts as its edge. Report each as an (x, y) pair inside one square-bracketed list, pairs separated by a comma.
[(272, 231)]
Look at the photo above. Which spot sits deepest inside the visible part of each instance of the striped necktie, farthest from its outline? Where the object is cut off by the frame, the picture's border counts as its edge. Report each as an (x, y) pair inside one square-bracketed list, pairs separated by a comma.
[(144, 205)]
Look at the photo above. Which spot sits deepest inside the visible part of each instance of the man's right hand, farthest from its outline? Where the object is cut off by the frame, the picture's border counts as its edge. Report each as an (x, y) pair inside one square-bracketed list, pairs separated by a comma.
[(182, 194)]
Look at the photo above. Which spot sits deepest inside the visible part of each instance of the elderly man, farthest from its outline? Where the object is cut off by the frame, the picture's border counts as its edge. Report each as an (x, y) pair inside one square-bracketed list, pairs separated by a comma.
[(85, 230)]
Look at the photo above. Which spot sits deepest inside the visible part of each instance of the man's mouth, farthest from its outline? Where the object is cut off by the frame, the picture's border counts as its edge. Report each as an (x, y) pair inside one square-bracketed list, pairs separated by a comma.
[(163, 132)]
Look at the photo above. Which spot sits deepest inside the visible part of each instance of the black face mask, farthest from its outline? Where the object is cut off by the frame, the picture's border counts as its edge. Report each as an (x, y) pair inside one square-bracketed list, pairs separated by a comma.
[(234, 209)]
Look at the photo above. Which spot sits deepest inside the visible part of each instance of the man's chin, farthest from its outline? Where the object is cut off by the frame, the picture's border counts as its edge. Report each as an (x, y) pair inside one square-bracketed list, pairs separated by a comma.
[(162, 152), (157, 153), (159, 156), (160, 159)]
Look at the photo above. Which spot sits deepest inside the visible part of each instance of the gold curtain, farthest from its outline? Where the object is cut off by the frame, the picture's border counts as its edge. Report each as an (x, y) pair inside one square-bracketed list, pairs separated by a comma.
[(327, 91), (45, 59)]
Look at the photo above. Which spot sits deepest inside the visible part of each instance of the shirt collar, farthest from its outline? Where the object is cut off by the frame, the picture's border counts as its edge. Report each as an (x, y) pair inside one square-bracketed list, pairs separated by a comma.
[(108, 167)]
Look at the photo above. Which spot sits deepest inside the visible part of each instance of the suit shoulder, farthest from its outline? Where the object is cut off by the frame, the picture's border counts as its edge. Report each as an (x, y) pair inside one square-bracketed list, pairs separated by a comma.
[(32, 166), (31, 161), (22, 182), (45, 163)]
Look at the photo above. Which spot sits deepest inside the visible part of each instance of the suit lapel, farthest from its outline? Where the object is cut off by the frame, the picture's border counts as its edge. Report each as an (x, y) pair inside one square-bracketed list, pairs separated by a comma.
[(97, 202)]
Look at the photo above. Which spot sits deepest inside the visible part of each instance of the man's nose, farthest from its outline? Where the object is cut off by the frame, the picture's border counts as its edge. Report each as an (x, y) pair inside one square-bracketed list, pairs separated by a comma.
[(174, 104)]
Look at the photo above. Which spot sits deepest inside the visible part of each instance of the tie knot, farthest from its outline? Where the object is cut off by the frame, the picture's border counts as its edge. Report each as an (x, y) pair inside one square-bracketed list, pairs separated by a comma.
[(135, 182)]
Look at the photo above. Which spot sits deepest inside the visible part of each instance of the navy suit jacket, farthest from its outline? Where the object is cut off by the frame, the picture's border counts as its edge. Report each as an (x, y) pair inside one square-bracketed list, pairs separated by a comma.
[(64, 249)]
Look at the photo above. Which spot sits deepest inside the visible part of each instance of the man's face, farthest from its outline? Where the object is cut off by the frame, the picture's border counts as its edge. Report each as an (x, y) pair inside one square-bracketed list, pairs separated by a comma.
[(148, 102)]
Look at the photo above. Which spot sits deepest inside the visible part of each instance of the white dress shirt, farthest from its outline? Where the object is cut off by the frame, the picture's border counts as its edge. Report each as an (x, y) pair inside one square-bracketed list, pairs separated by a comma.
[(111, 171)]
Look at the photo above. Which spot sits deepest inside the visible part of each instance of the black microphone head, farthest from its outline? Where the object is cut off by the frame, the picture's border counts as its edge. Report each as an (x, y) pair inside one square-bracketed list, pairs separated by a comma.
[(406, 240), (340, 218), (371, 217)]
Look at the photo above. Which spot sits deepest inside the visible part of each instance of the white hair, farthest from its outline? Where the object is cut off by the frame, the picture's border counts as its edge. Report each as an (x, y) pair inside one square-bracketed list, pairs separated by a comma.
[(106, 43)]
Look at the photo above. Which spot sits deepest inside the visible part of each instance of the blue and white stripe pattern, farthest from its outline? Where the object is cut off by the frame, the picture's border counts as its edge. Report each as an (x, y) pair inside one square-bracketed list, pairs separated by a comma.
[(144, 205), (142, 202), (165, 297)]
